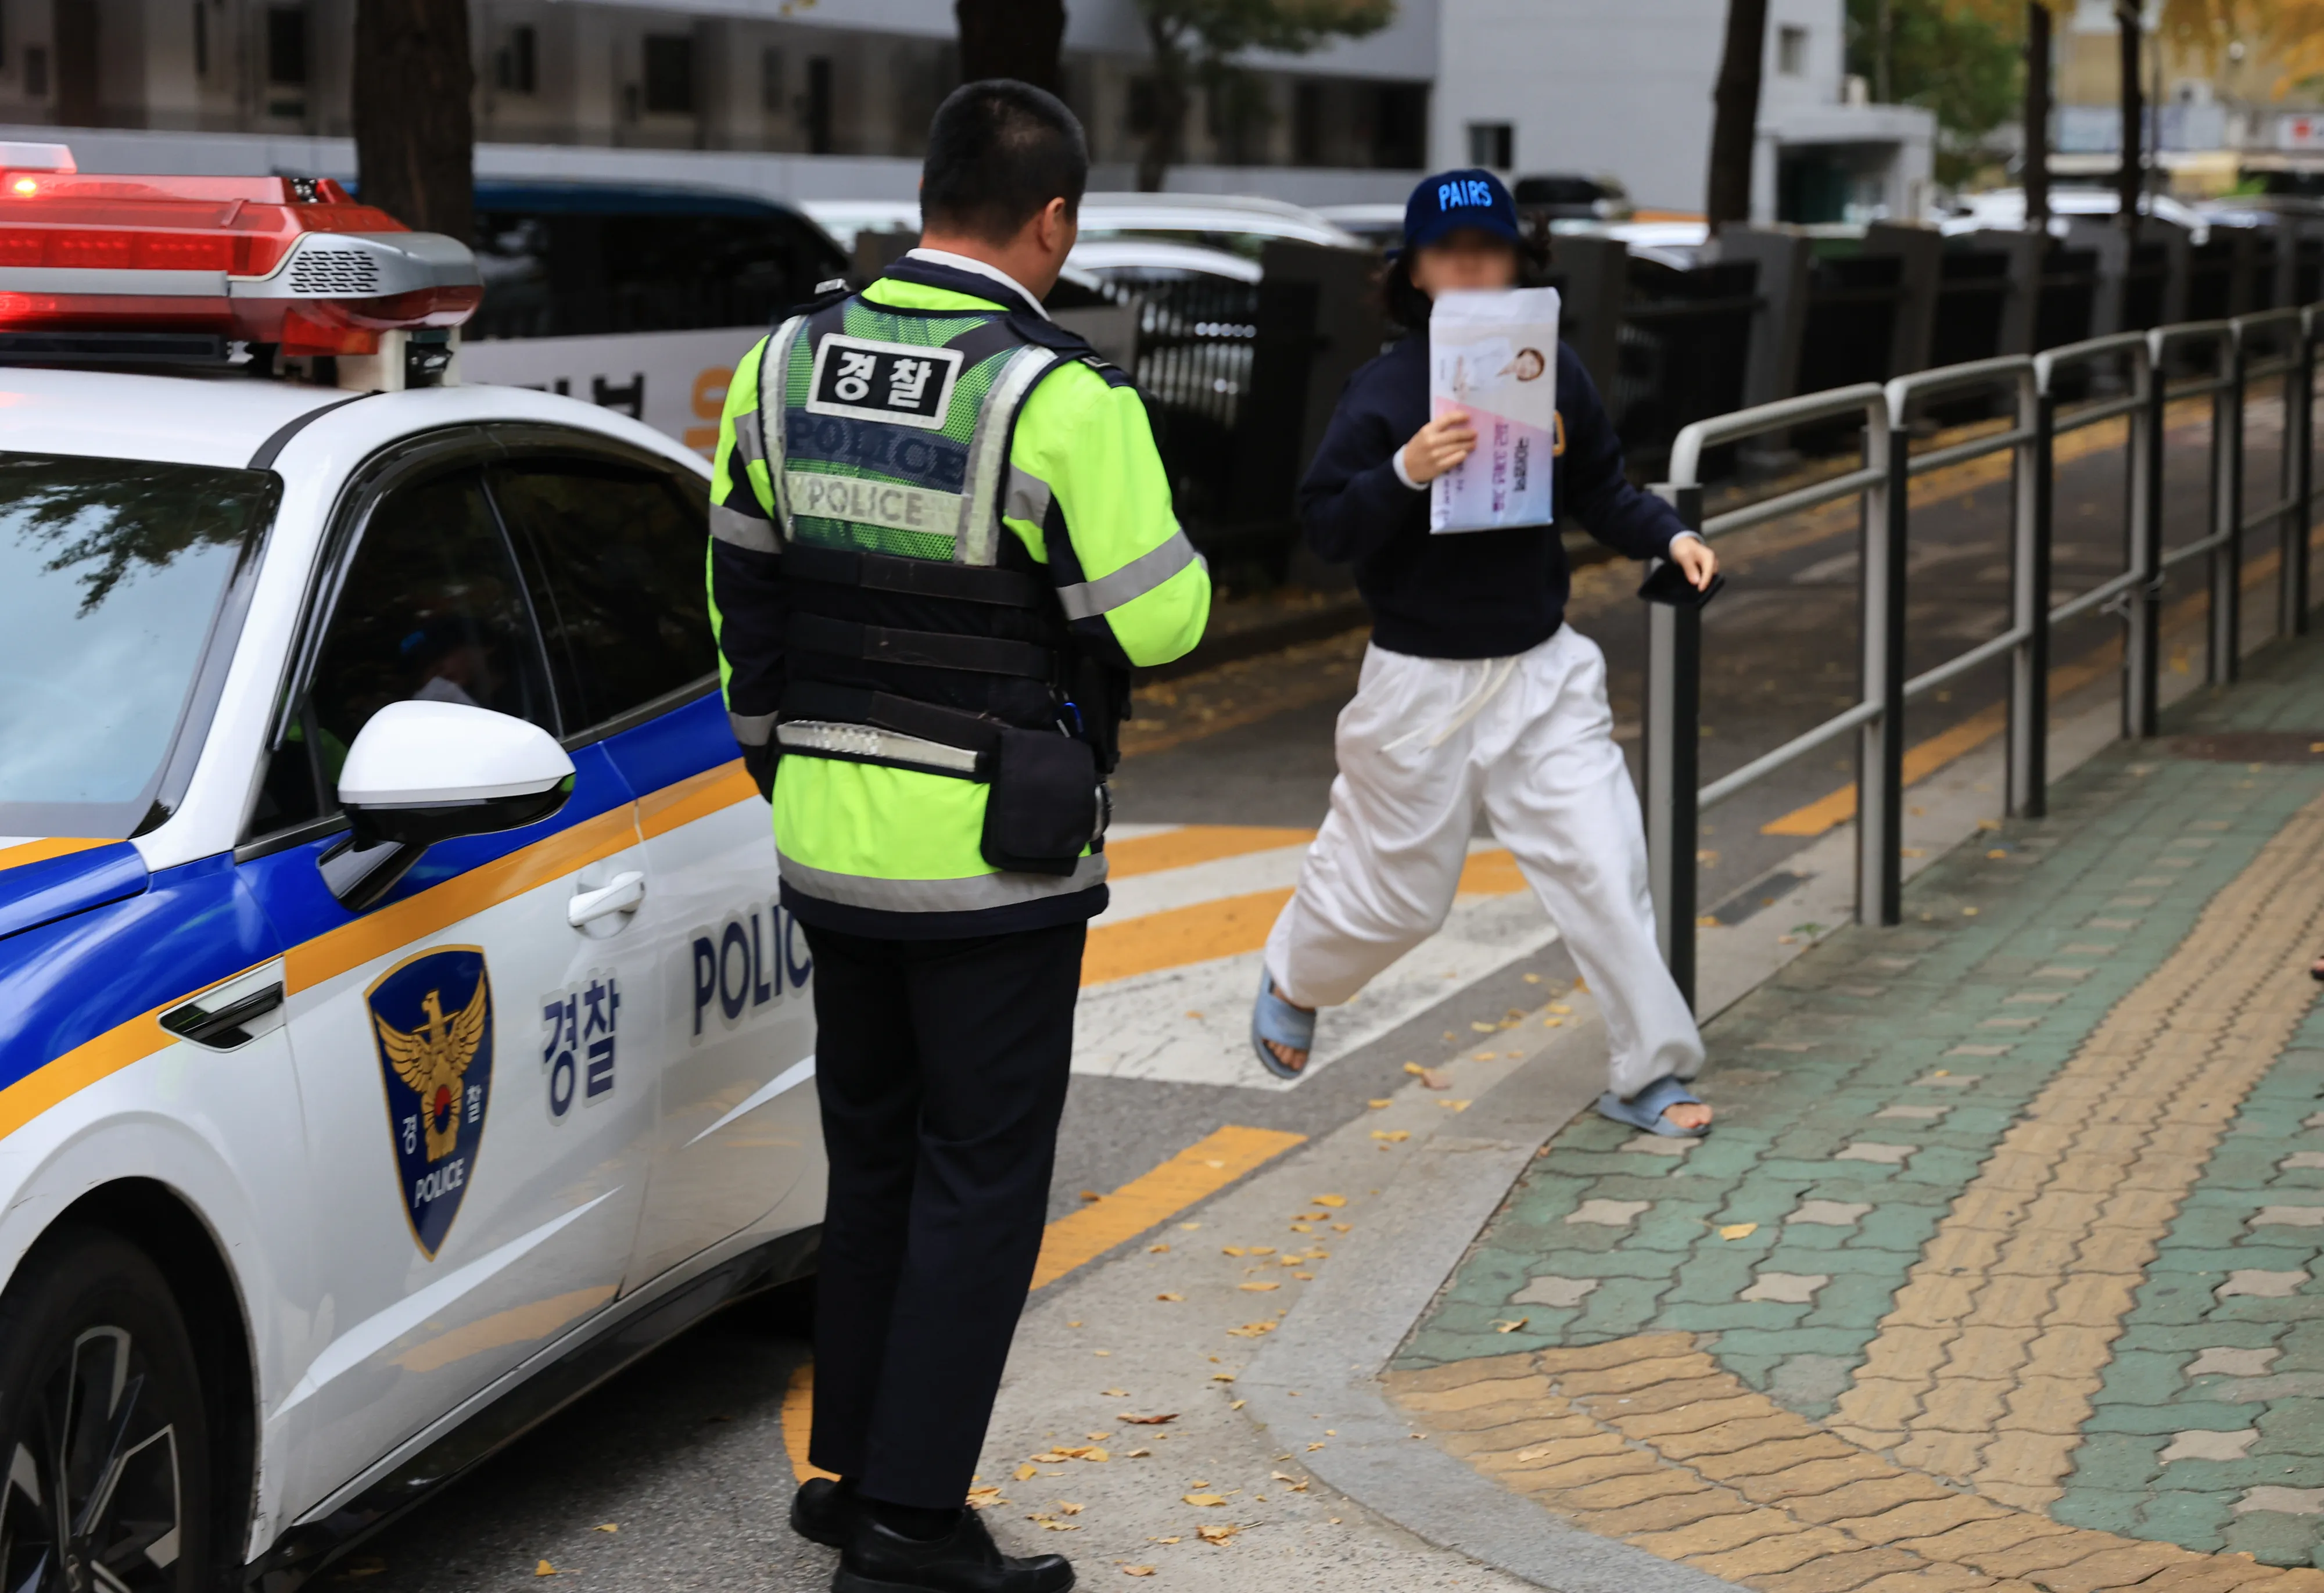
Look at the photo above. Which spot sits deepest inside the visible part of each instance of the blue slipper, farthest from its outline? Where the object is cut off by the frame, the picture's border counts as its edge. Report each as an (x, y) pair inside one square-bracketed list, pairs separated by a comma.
[(1274, 1019), (1645, 1109)]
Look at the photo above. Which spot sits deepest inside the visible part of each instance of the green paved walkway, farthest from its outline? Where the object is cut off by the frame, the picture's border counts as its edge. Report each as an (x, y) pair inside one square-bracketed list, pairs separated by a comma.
[(2013, 1210)]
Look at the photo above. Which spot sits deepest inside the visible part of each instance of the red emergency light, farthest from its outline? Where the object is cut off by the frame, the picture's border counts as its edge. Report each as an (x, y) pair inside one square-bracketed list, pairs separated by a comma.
[(268, 260)]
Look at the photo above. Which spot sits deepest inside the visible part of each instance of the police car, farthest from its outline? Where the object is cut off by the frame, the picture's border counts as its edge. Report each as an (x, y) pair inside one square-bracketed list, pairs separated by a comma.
[(398, 1030)]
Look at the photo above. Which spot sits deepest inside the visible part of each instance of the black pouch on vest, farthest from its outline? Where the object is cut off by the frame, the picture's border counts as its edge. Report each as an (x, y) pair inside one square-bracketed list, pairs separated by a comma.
[(1040, 809)]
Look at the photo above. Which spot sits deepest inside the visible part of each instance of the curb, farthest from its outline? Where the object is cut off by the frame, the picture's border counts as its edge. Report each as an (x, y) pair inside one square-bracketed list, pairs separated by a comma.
[(1333, 1347)]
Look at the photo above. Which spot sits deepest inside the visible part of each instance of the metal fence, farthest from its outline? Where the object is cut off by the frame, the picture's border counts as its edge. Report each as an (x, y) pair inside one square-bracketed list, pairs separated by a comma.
[(2227, 357)]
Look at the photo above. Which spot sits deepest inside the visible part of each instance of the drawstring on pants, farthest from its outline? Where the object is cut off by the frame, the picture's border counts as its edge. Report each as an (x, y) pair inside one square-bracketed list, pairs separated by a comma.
[(1497, 674)]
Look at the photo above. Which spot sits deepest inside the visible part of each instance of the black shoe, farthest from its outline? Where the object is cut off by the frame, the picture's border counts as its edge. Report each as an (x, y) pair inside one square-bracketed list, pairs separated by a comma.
[(879, 1560), (825, 1512)]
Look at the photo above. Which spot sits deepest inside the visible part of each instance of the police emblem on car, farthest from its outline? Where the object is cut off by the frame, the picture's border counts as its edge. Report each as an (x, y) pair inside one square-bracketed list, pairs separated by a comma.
[(431, 1018), (869, 380)]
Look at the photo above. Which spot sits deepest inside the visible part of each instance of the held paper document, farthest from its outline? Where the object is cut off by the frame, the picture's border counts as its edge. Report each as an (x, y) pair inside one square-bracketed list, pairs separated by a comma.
[(1494, 355)]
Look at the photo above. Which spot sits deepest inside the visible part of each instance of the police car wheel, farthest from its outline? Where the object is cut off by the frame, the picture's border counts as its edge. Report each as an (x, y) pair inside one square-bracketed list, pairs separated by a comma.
[(103, 1431)]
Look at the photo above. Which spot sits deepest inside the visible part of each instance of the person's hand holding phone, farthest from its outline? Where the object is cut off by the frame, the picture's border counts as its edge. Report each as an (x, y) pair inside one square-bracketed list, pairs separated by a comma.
[(1694, 556), (1439, 446)]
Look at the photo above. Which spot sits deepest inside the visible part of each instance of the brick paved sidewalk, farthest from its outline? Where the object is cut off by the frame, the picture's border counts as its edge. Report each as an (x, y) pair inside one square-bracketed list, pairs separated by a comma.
[(2001, 1265)]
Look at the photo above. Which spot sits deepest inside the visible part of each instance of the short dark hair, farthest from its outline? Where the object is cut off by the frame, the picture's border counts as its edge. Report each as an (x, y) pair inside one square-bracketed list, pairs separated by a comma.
[(999, 150)]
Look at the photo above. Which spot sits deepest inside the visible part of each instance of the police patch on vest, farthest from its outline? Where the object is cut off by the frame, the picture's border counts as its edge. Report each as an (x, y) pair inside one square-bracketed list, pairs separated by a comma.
[(872, 503), (431, 1018), (873, 380)]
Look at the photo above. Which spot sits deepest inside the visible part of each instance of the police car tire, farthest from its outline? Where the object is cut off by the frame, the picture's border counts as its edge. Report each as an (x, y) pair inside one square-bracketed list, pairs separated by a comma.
[(84, 1302)]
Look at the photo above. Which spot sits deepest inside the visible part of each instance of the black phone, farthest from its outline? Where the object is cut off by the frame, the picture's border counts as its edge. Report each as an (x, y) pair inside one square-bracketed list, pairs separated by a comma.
[(1669, 585)]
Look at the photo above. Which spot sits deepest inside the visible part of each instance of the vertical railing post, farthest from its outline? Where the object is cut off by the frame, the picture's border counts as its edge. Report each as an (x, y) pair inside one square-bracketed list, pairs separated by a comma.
[(1880, 744), (2143, 613), (2029, 662), (2224, 660), (2300, 471), (1673, 731)]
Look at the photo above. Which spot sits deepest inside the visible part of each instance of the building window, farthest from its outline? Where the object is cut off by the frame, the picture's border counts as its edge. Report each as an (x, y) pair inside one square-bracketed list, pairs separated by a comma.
[(1792, 52), (1401, 128), (819, 105), (517, 68), (36, 72), (669, 75), (1492, 144), (770, 80), (286, 45)]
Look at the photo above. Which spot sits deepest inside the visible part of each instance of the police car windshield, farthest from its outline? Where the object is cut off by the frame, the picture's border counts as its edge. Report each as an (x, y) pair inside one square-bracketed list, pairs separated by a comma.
[(113, 576)]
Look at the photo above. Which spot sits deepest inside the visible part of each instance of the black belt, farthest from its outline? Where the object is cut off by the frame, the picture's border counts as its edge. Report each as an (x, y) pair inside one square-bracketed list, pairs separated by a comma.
[(849, 704), (918, 577), (925, 650)]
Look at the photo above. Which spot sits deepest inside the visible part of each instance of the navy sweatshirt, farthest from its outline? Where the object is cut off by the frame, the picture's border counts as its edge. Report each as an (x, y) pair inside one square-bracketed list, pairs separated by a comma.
[(1466, 595)]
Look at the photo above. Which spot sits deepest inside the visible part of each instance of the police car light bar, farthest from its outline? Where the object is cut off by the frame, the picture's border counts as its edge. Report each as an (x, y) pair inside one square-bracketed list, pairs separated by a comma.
[(292, 262)]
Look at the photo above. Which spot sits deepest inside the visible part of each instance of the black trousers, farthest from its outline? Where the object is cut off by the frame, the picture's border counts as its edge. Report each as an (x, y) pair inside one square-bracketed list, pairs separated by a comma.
[(942, 1068)]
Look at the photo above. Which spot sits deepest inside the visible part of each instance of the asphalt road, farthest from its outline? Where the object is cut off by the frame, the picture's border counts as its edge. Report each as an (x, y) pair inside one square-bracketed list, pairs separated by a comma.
[(684, 1453)]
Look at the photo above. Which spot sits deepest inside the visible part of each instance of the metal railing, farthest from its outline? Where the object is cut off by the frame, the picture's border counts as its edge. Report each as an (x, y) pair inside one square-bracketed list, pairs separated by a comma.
[(2243, 349)]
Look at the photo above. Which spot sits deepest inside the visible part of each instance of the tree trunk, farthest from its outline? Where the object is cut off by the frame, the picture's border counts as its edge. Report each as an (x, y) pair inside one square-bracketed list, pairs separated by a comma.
[(1163, 139), (2130, 176), (1017, 39), (2037, 176), (1735, 113), (414, 122), (74, 35)]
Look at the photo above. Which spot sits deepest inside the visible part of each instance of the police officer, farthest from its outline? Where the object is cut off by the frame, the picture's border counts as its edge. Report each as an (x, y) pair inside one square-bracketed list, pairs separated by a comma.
[(942, 536)]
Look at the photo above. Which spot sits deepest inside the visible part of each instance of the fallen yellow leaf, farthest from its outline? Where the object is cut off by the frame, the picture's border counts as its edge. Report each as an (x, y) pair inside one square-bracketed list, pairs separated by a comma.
[(1259, 1287), (1161, 1540), (1560, 1005), (1738, 1230), (1455, 1106), (1435, 1078), (1028, 1472), (1510, 1327), (1222, 1377), (1343, 1227), (1302, 1228), (1392, 1133), (1156, 1250), (1250, 1330), (1115, 1393), (1529, 978), (1414, 1069), (1236, 1405), (1551, 1023), (1215, 1535), (1166, 1295), (1261, 1250), (1207, 1501), (1137, 1454), (546, 1569), (1091, 1195), (1146, 1420), (1144, 1570), (608, 1527), (1305, 1278), (1484, 1029), (979, 1497), (1375, 1105), (1329, 1200), (1067, 1509), (1230, 1249), (1313, 1446)]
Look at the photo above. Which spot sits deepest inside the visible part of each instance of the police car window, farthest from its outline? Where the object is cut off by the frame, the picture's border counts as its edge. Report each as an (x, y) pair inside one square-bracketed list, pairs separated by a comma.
[(431, 609), (615, 556), (112, 575)]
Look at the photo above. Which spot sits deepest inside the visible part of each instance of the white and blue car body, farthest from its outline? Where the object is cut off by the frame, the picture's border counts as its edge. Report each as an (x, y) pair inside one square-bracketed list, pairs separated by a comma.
[(398, 1032)]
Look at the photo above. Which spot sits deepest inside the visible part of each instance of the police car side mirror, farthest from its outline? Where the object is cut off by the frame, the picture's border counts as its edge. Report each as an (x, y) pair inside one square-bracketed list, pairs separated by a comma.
[(421, 772)]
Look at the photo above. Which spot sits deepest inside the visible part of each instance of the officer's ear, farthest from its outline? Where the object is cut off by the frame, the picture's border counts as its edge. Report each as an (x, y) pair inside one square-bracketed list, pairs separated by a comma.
[(1055, 228)]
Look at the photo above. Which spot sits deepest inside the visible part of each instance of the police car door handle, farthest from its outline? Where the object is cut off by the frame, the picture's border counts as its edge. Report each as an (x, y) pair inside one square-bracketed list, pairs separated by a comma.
[(621, 894)]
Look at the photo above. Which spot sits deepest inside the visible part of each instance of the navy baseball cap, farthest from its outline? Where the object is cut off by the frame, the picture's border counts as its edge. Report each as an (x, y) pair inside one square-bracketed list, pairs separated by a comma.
[(1452, 200)]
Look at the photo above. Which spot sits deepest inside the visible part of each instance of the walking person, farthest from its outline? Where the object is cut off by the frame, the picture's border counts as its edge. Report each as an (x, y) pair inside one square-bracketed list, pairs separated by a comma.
[(1476, 694), (942, 536)]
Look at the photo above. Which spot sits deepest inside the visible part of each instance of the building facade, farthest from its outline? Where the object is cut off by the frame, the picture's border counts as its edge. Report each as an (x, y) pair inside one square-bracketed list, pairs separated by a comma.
[(840, 91)]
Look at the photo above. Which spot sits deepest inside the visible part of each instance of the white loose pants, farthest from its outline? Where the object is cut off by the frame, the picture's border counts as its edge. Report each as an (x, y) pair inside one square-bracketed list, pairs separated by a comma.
[(1425, 742)]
